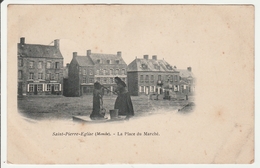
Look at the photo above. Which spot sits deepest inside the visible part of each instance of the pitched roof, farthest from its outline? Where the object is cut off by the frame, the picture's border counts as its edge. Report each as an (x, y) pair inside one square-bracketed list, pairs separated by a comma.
[(182, 82), (150, 65), (184, 73), (37, 50), (84, 60), (103, 58)]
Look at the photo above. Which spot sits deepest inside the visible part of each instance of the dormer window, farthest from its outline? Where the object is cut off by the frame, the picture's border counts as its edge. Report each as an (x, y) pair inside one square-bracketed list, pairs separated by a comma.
[(108, 61), (156, 66), (144, 66), (98, 61), (169, 67), (117, 61)]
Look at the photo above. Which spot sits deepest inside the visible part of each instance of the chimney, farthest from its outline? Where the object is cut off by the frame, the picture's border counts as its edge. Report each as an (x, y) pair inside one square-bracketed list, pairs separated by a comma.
[(189, 69), (119, 53), (57, 43), (67, 65), (154, 57), (22, 40), (74, 54), (146, 57), (88, 52)]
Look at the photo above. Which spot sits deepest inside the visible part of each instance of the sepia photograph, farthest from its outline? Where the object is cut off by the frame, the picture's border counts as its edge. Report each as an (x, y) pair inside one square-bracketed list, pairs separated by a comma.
[(130, 84)]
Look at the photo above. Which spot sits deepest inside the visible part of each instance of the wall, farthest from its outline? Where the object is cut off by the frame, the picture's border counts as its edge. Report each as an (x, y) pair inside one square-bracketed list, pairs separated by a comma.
[(26, 71)]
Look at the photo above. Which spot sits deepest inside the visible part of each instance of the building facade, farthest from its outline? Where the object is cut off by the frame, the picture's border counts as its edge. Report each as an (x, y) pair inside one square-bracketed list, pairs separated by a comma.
[(146, 76), (187, 82), (85, 70), (39, 69)]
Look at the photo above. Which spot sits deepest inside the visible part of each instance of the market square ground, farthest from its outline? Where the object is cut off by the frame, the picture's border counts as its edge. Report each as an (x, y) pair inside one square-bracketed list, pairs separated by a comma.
[(60, 107)]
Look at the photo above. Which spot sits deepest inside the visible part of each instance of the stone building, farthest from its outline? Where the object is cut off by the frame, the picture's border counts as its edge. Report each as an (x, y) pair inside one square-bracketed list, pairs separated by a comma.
[(85, 70), (39, 69), (146, 76)]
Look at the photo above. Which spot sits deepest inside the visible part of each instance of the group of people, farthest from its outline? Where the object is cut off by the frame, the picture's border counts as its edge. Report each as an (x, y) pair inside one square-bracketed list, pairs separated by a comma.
[(123, 101)]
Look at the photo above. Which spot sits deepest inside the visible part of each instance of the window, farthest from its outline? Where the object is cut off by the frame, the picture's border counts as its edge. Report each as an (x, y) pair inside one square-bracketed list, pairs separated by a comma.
[(57, 65), (176, 88), (40, 75), (141, 77), (52, 77), (39, 88), (97, 72), (48, 87), (104, 71), (151, 88), (20, 62), (40, 64), (57, 76), (108, 61), (166, 77), (111, 71), (84, 71), (31, 64), (48, 76), (159, 77), (156, 66), (20, 75), (182, 88), (91, 80), (31, 75), (175, 77), (98, 79), (142, 88), (105, 80), (90, 72), (123, 71), (56, 87), (152, 77), (98, 61), (171, 78), (48, 65), (116, 72), (144, 66), (117, 61), (84, 80), (31, 88), (146, 77), (111, 80)]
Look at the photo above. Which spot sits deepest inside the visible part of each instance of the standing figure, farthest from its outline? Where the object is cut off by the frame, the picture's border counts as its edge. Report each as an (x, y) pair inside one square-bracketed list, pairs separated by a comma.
[(97, 101), (123, 101)]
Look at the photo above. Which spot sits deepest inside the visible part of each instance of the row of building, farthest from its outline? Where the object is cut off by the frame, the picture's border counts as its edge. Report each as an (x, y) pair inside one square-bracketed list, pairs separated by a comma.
[(41, 72)]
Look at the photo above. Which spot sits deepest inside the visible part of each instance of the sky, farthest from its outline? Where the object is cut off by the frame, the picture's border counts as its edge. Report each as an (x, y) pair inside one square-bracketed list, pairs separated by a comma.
[(172, 32), (181, 34)]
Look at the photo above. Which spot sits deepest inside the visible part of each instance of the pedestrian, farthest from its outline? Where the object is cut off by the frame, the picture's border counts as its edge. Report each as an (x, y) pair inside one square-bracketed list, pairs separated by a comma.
[(123, 101), (97, 102)]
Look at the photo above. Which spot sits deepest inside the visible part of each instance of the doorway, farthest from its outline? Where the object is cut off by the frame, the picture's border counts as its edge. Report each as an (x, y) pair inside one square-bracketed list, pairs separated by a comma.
[(35, 89)]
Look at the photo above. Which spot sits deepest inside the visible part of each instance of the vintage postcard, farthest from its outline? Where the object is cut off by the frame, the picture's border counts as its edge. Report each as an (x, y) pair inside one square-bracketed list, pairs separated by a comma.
[(130, 84)]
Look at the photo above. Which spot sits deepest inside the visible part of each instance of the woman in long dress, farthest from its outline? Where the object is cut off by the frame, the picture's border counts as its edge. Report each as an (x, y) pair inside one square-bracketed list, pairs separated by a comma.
[(123, 101)]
